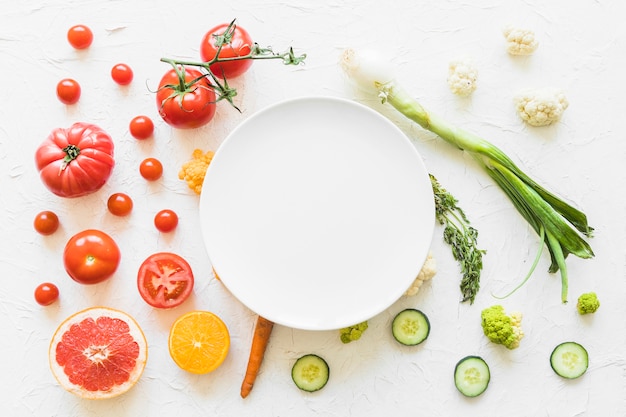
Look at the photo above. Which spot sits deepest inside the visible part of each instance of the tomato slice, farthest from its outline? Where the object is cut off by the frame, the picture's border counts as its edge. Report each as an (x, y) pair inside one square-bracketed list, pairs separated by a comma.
[(165, 280)]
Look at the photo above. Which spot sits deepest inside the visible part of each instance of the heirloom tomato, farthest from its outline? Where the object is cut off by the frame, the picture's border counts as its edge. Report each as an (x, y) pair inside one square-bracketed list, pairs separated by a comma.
[(91, 256), (185, 99), (75, 161), (235, 42), (165, 280)]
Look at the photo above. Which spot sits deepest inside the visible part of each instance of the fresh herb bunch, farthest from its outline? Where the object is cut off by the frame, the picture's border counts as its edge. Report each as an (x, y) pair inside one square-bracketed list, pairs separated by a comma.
[(462, 237)]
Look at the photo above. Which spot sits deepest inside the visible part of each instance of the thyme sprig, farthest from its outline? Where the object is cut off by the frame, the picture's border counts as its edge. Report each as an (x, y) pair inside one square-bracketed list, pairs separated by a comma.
[(462, 238)]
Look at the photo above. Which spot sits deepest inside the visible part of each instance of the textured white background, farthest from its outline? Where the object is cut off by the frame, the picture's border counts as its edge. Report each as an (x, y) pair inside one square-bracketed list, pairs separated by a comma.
[(582, 50)]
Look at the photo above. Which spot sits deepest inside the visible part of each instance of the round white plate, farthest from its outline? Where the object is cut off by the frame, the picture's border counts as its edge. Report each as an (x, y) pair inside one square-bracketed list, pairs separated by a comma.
[(317, 213)]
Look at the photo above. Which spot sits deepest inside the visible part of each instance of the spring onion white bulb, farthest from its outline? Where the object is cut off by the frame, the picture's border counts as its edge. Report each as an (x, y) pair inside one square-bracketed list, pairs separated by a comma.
[(559, 225)]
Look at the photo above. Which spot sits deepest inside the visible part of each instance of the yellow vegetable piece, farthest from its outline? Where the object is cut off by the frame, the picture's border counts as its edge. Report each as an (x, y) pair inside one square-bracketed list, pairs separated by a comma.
[(194, 170)]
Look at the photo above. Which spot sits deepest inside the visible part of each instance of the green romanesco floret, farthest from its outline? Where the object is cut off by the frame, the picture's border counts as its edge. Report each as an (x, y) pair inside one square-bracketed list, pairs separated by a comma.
[(352, 333), (588, 303), (502, 328)]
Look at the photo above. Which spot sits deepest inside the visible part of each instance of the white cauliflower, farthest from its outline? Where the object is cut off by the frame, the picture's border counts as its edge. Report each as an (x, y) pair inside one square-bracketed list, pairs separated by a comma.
[(462, 77), (429, 269), (540, 107), (520, 41)]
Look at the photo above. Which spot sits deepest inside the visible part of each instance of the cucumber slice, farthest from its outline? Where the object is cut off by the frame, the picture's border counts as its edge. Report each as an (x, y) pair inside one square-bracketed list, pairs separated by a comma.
[(569, 360), (310, 373), (471, 376), (410, 327)]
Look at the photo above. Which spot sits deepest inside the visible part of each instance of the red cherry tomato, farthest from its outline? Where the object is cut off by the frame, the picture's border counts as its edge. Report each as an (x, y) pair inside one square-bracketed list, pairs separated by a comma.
[(91, 256), (46, 293), (120, 204), (75, 161), (122, 74), (235, 41), (141, 127), (46, 222), (165, 280), (80, 36), (68, 91), (166, 221), (184, 105), (151, 169)]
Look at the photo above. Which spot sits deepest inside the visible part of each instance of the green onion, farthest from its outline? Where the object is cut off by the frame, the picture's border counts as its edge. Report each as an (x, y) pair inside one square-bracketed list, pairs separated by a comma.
[(560, 225)]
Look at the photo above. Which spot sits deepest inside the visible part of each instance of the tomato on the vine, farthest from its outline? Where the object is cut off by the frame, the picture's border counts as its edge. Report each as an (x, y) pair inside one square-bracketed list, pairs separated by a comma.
[(166, 220), (235, 41), (151, 169), (46, 222), (46, 293), (120, 204), (165, 280), (75, 161), (122, 74), (91, 256), (68, 91), (185, 104), (141, 127), (80, 36)]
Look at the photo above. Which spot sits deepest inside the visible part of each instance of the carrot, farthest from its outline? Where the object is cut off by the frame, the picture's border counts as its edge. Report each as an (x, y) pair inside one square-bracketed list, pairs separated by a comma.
[(261, 336)]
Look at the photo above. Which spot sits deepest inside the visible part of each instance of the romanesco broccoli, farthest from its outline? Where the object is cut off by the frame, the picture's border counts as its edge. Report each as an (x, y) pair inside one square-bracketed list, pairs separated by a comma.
[(352, 333), (502, 328), (588, 303), (194, 170)]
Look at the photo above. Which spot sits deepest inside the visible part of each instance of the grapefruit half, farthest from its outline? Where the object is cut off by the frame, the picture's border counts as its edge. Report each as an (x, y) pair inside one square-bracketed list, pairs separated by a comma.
[(98, 353)]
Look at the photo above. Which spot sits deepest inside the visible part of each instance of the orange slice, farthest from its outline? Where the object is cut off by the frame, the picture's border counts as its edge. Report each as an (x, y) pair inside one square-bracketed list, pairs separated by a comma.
[(199, 342), (98, 353)]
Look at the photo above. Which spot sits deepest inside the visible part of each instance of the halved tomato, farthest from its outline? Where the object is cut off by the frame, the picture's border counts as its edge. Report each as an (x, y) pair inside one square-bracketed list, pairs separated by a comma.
[(165, 280)]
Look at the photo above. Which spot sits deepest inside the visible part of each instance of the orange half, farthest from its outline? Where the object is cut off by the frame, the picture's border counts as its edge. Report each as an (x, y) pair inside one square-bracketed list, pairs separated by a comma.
[(199, 342)]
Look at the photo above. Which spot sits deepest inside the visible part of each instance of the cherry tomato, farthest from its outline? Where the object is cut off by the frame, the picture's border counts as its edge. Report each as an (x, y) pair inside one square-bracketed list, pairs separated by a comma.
[(75, 161), (141, 127), (185, 105), (236, 41), (166, 221), (151, 169), (46, 293), (80, 36), (91, 256), (120, 204), (165, 280), (122, 74), (68, 91), (46, 222)]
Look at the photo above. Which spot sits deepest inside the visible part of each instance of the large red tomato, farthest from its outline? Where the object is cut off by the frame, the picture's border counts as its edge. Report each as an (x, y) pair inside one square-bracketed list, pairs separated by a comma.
[(91, 256), (165, 280), (183, 103), (235, 41), (75, 161)]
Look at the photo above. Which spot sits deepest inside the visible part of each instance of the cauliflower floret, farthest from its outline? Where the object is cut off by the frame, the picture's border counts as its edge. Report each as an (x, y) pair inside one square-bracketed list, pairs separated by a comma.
[(429, 269), (541, 107), (502, 328), (520, 41), (462, 76), (194, 170), (352, 333), (588, 303)]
